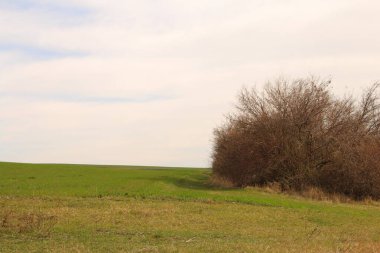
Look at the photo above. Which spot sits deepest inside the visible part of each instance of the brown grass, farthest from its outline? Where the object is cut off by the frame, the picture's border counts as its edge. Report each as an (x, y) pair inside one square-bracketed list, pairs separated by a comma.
[(218, 181), (28, 222)]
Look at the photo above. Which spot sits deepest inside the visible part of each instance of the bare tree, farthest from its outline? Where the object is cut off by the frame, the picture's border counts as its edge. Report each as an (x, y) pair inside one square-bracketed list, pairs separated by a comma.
[(299, 135)]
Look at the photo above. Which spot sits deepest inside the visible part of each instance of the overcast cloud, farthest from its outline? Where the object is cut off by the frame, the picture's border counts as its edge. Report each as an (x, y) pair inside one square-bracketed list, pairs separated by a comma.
[(146, 81)]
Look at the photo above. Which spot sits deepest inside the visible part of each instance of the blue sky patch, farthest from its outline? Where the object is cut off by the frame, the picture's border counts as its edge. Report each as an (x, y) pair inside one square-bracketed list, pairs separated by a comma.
[(58, 11), (38, 53), (78, 98)]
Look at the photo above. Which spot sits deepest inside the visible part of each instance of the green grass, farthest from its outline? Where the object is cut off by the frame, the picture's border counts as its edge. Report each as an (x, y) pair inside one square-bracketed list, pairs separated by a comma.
[(84, 208)]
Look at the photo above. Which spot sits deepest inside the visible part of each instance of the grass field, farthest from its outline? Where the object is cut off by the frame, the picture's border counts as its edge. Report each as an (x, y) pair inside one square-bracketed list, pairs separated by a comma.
[(83, 208)]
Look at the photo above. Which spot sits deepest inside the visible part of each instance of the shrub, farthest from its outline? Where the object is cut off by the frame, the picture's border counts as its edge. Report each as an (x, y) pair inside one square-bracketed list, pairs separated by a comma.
[(299, 135)]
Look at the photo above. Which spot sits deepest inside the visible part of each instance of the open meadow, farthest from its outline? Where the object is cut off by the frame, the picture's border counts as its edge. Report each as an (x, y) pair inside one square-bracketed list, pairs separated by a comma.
[(83, 208)]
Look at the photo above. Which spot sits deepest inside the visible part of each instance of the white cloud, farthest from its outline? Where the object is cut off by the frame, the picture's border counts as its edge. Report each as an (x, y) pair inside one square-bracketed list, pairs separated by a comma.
[(90, 101)]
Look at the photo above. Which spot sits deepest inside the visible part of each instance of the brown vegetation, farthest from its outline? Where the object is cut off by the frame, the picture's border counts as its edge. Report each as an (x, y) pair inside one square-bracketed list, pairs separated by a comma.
[(27, 222), (299, 135)]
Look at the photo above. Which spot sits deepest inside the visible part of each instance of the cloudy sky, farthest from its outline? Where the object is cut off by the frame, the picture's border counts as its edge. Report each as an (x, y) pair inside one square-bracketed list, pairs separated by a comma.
[(146, 81)]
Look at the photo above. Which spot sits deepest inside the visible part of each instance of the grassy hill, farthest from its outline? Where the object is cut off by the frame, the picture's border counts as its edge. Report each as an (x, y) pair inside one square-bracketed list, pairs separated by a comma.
[(85, 208)]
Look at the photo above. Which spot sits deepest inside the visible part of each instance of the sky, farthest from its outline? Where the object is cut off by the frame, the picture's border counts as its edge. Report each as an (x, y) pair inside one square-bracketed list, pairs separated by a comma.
[(145, 82)]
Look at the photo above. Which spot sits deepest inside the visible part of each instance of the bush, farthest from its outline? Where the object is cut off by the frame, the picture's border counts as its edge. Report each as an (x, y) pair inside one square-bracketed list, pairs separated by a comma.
[(299, 135)]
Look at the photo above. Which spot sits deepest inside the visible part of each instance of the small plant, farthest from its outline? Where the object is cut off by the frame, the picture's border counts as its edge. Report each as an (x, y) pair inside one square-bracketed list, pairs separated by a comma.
[(297, 134)]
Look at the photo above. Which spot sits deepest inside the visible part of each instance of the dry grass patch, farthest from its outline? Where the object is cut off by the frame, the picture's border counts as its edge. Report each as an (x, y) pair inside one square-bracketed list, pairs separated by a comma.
[(27, 222), (129, 225)]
